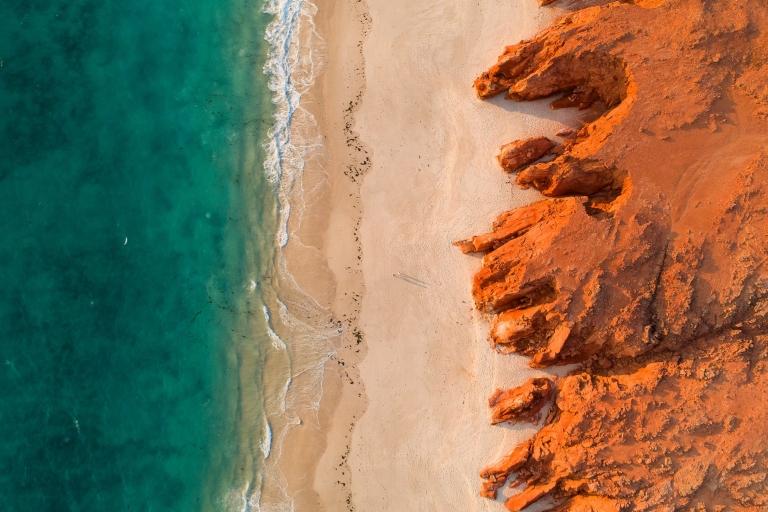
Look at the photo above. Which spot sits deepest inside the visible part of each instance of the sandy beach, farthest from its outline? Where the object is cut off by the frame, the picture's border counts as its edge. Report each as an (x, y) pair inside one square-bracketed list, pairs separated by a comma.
[(410, 168)]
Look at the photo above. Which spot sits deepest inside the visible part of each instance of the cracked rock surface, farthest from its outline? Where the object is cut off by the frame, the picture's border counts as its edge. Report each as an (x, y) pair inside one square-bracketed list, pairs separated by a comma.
[(645, 261)]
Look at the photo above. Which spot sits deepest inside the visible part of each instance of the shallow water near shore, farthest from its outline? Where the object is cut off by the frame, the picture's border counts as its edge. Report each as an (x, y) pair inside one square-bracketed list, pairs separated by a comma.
[(138, 240)]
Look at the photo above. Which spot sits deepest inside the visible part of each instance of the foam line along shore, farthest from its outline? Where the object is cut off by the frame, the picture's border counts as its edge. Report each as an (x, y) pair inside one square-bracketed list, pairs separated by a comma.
[(299, 323), (133, 329)]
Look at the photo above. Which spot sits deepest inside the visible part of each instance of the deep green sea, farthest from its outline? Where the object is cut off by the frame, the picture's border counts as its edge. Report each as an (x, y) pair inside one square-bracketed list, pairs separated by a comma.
[(135, 213)]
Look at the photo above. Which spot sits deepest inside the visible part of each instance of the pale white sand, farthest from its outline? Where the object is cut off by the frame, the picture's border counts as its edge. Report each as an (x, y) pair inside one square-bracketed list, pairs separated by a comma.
[(429, 368)]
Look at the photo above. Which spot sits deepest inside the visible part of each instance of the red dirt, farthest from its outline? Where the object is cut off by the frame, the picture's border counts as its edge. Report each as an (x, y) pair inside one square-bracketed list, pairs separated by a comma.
[(522, 403), (647, 266), (522, 152)]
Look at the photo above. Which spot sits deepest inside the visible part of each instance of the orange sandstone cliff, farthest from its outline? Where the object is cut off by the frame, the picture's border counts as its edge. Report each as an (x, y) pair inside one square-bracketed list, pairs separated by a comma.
[(522, 403), (646, 261)]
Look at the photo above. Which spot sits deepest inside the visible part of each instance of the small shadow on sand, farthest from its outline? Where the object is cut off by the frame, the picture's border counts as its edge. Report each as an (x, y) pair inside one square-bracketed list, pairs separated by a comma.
[(540, 109), (411, 280), (576, 5)]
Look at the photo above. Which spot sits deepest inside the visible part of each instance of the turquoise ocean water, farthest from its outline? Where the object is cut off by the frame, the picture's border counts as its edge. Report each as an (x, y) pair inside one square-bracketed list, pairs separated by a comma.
[(137, 228)]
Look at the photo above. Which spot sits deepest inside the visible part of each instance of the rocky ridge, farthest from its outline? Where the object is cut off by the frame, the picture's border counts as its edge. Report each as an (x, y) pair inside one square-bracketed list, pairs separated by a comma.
[(645, 263), (522, 403)]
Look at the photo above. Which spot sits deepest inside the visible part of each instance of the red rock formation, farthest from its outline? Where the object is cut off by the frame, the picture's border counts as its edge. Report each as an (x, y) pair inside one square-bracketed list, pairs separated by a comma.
[(670, 432), (569, 175), (522, 403), (522, 152), (496, 475), (653, 271), (507, 226), (582, 97)]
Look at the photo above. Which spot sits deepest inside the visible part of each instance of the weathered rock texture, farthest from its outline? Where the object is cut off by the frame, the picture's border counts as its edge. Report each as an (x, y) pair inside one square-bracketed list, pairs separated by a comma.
[(522, 403), (522, 152), (648, 262)]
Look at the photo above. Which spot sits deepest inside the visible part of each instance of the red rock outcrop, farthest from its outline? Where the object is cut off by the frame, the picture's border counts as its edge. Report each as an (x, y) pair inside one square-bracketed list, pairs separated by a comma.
[(670, 433), (507, 226), (569, 175), (522, 403), (516, 154), (496, 475), (649, 264)]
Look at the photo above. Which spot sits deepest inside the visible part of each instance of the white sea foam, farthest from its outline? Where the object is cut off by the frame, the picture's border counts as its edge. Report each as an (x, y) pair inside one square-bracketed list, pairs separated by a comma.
[(266, 442), (249, 504), (277, 343), (292, 66), (285, 390)]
